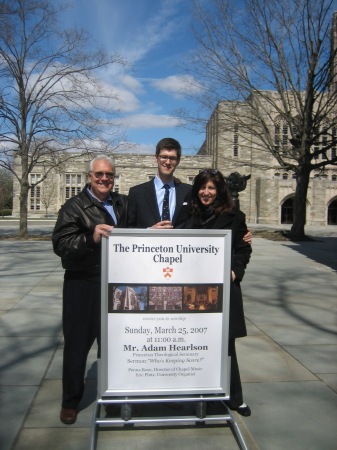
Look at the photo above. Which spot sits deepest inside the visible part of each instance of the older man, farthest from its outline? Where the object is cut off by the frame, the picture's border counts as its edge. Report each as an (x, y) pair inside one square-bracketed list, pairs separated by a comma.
[(81, 223)]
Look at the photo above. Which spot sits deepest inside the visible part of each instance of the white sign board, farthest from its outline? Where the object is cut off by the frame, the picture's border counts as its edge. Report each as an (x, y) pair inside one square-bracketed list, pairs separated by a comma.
[(165, 309)]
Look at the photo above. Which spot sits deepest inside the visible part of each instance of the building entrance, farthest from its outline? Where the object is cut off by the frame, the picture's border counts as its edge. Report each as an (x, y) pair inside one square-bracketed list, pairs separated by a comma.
[(287, 211), (332, 213)]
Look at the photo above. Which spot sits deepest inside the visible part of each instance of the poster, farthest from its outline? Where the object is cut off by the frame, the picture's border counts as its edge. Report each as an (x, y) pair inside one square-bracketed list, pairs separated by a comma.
[(165, 310)]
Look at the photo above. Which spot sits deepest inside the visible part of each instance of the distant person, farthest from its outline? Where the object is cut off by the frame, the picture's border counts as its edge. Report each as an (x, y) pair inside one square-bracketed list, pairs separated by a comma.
[(212, 207), (81, 223)]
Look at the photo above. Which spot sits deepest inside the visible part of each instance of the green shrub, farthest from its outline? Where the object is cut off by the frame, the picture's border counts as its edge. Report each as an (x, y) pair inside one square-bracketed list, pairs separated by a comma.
[(5, 212)]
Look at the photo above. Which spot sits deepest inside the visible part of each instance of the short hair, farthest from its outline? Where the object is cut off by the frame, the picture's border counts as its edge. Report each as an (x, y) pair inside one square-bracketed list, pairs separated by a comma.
[(101, 157), (169, 144)]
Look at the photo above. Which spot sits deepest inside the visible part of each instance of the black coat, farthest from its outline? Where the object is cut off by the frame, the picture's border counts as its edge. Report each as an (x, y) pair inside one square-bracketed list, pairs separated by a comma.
[(73, 233), (241, 252), (143, 211)]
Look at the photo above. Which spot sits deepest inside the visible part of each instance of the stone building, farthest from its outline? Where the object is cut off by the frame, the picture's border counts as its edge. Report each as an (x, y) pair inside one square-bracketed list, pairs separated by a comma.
[(131, 169), (268, 197)]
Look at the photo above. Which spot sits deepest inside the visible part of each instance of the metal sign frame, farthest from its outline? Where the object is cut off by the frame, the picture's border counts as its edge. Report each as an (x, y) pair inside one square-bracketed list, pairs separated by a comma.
[(123, 262)]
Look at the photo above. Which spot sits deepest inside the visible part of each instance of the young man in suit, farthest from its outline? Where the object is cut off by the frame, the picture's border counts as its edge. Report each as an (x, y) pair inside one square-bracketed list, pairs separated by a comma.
[(147, 207)]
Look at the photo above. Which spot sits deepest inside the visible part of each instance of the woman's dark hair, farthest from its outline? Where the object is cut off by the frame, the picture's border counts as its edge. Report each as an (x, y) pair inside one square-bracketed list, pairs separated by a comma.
[(223, 201)]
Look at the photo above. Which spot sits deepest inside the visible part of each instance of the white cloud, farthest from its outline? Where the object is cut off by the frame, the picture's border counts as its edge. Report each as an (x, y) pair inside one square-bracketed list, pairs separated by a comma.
[(148, 121), (178, 85), (131, 147), (157, 24), (132, 83)]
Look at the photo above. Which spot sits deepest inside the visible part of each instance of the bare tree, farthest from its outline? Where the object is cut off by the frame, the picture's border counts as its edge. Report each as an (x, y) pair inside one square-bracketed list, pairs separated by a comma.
[(273, 63), (48, 193), (51, 98)]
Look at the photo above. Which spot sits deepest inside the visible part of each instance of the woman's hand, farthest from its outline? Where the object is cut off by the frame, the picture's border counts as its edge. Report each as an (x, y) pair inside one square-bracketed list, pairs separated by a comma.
[(248, 237)]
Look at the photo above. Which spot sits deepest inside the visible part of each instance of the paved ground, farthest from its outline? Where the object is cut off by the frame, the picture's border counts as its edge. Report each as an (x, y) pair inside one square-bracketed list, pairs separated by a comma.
[(288, 362)]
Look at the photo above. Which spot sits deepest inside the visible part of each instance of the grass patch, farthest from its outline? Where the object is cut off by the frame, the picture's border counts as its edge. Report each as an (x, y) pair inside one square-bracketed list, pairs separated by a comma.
[(278, 235)]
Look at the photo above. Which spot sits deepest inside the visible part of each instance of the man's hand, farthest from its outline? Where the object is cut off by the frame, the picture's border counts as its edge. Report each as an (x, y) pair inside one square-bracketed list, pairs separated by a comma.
[(101, 230), (164, 224)]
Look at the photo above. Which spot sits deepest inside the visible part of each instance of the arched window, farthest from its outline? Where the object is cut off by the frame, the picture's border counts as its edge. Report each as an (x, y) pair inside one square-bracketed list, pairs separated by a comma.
[(287, 211)]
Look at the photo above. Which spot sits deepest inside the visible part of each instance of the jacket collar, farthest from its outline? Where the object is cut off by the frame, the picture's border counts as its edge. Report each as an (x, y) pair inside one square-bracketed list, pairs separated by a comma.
[(88, 199)]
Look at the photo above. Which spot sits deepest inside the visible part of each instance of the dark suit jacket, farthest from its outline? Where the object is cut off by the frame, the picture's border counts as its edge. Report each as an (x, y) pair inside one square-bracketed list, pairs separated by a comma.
[(241, 252), (143, 211)]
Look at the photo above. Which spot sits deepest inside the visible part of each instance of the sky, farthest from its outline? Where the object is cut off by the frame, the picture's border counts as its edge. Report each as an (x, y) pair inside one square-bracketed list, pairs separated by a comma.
[(154, 36)]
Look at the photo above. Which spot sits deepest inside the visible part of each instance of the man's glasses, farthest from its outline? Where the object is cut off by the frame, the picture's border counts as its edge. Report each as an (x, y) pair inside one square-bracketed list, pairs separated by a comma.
[(165, 157), (212, 171), (109, 175)]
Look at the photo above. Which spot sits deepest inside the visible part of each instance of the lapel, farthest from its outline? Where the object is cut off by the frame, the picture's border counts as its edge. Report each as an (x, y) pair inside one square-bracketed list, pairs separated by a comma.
[(180, 197), (179, 200), (151, 199)]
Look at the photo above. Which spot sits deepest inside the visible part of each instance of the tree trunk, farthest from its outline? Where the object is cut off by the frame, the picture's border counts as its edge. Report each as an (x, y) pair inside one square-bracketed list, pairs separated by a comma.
[(300, 204), (23, 208)]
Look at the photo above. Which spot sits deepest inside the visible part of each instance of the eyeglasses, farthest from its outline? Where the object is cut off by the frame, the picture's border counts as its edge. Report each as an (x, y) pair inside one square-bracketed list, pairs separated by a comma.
[(165, 157), (109, 175), (212, 171)]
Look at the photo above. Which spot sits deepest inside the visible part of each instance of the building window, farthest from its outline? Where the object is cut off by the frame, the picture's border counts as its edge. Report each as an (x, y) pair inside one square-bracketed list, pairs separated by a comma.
[(35, 192), (281, 140), (316, 142), (277, 136), (334, 143), (334, 178), (324, 143), (285, 135), (190, 180), (236, 141), (73, 184), (284, 176), (116, 184)]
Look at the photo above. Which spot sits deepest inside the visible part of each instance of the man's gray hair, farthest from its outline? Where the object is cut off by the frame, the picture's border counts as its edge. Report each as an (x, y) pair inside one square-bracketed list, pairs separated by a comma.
[(101, 157)]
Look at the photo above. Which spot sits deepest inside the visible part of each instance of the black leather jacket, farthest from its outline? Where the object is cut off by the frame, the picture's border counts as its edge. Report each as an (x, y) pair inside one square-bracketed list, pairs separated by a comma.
[(73, 233)]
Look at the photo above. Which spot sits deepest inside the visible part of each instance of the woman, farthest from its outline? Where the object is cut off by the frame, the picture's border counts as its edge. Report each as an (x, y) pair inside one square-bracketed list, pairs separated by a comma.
[(212, 207)]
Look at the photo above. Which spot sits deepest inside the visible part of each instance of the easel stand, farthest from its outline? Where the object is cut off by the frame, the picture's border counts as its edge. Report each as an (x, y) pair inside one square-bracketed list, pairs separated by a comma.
[(197, 402), (165, 325)]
